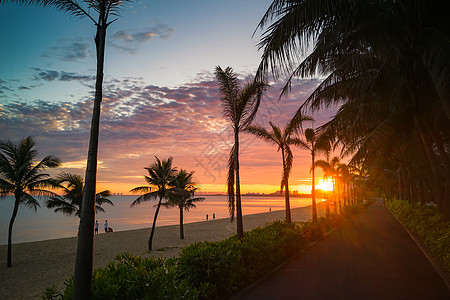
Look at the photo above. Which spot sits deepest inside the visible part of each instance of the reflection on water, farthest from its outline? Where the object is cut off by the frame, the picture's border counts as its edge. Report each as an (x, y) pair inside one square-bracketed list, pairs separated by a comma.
[(45, 224)]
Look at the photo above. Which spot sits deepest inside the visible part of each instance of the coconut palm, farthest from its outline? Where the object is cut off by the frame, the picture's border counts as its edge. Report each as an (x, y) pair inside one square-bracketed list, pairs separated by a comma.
[(182, 195), (314, 145), (387, 63), (329, 170), (283, 139), (239, 105), (99, 12), (161, 178), (71, 201), (22, 176)]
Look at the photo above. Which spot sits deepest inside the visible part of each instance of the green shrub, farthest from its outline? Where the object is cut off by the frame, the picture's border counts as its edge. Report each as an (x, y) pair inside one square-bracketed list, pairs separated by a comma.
[(205, 269)]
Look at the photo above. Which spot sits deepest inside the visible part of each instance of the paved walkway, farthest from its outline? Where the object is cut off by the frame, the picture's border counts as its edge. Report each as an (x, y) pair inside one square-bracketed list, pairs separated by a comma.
[(371, 256)]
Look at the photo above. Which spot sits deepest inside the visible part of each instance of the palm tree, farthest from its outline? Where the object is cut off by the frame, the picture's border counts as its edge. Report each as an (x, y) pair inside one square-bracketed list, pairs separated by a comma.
[(182, 195), (22, 175), (283, 139), (99, 12), (161, 178), (240, 106), (329, 170), (387, 63), (71, 201), (314, 145)]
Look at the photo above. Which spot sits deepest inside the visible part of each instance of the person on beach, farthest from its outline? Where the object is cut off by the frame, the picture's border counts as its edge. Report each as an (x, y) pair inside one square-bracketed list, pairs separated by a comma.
[(106, 226), (96, 226), (214, 215)]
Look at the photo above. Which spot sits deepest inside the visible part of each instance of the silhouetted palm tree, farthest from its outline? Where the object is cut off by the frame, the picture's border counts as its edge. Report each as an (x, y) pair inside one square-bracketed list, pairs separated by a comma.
[(161, 178), (99, 12), (22, 176), (182, 195), (71, 201), (283, 139), (387, 63), (314, 145), (240, 106)]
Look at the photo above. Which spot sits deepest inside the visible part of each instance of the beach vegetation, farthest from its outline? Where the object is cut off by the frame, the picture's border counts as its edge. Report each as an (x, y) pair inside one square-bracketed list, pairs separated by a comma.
[(23, 176), (102, 13), (283, 139), (205, 270), (182, 195), (239, 105), (71, 200), (385, 68), (329, 170), (314, 145), (161, 178)]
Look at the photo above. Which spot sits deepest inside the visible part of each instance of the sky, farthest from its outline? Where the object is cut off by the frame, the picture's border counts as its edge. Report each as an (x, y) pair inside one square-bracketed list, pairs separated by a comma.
[(160, 95)]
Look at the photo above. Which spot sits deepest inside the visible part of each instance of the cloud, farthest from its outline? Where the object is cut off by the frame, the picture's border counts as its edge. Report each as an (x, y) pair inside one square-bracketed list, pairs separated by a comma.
[(52, 75), (129, 41), (140, 121), (70, 51)]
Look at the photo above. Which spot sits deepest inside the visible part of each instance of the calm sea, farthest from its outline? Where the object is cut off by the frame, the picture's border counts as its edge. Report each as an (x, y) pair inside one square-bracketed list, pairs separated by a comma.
[(45, 224)]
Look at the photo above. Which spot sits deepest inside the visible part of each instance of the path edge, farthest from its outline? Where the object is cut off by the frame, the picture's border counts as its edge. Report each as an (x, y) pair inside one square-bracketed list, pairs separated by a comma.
[(430, 258), (258, 281)]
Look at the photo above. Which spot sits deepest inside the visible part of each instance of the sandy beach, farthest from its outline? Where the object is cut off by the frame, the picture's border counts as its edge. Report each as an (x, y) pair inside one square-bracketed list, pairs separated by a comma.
[(37, 265)]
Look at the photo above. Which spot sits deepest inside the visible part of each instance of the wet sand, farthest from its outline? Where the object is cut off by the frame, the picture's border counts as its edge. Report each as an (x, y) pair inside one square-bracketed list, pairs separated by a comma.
[(37, 265)]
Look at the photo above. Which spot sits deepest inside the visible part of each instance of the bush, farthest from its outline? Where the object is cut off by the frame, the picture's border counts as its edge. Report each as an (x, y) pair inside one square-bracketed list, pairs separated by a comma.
[(205, 269), (427, 224)]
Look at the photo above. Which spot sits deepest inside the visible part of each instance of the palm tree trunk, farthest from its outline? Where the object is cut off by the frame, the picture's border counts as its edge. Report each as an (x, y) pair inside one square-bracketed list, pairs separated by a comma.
[(334, 194), (181, 224), (150, 240), (328, 205), (84, 257), (239, 224), (313, 190), (11, 223), (286, 189)]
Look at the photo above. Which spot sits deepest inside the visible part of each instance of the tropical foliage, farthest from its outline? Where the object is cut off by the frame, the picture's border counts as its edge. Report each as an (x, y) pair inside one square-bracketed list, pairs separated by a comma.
[(22, 176), (182, 195), (386, 64), (239, 105), (283, 139), (315, 146), (100, 13), (161, 177), (71, 200), (203, 270)]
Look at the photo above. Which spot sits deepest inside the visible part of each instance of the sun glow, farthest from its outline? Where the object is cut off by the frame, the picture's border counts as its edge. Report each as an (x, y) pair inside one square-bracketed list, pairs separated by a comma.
[(325, 185)]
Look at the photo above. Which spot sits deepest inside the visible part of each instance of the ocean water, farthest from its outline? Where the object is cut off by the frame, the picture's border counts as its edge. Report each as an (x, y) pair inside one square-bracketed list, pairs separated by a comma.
[(44, 224)]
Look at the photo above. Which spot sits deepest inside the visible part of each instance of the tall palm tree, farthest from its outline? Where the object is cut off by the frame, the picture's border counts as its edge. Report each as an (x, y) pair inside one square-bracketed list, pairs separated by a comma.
[(283, 139), (99, 12), (71, 201), (239, 105), (161, 178), (329, 170), (182, 195), (22, 176), (387, 63), (314, 145)]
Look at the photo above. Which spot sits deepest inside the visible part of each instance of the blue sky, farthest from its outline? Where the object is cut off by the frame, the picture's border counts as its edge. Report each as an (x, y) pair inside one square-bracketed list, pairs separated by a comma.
[(165, 44), (160, 94)]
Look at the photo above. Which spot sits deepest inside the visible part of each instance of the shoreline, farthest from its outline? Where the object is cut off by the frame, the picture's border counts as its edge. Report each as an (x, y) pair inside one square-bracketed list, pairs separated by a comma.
[(40, 264)]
